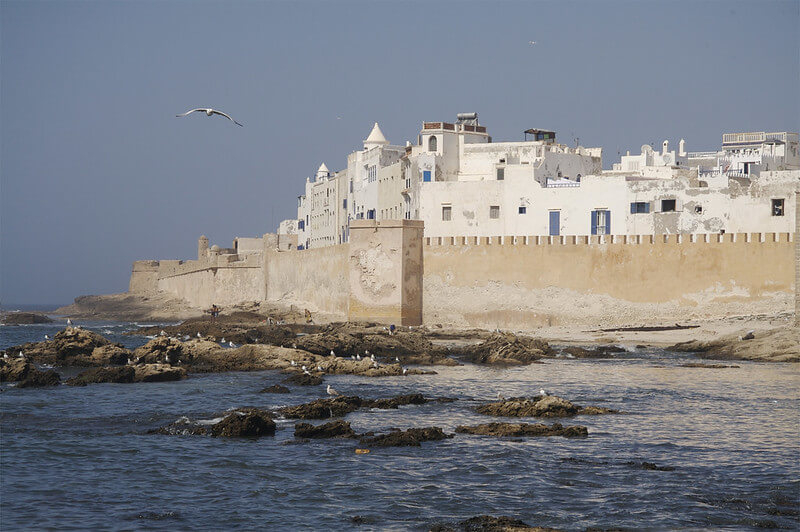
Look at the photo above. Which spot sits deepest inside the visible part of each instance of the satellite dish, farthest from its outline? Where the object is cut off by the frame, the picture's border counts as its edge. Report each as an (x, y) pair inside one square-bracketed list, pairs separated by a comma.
[(646, 148)]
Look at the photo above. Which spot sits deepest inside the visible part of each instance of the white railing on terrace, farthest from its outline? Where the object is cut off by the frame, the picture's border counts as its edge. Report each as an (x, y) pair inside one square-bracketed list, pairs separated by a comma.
[(563, 184), (702, 154), (734, 138)]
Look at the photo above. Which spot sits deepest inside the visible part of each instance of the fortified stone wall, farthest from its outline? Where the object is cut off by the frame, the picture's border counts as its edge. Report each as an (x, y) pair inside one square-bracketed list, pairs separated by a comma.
[(315, 279), (225, 284), (522, 282), (144, 277)]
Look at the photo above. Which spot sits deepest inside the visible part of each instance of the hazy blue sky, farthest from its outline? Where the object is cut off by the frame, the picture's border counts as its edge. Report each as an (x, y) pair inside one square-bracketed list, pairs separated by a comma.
[(98, 172)]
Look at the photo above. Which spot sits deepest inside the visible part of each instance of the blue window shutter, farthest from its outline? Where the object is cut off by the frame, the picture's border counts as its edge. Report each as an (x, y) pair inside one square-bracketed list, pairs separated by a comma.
[(633, 208), (594, 222), (426, 175), (608, 222), (647, 207)]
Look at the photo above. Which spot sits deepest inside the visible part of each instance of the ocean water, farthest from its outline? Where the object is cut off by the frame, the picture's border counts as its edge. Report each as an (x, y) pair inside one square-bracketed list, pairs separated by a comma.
[(80, 458)]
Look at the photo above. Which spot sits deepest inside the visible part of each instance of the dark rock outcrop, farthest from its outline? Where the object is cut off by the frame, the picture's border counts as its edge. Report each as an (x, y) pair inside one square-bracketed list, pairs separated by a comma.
[(122, 374), (706, 366), (128, 374), (602, 351), (405, 438), (524, 429), (73, 347), (162, 350), (547, 406), (303, 379), (252, 423), (323, 408), (506, 349), (395, 402), (333, 429), (488, 523), (26, 375), (275, 388), (23, 318)]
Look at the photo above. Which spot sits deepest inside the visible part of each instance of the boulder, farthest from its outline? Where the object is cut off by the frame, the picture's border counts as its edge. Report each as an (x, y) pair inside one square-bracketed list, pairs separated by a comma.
[(333, 429), (405, 438), (395, 402), (602, 351), (161, 350), (109, 355), (74, 341), (275, 388), (506, 349), (524, 429), (37, 378), (252, 423)]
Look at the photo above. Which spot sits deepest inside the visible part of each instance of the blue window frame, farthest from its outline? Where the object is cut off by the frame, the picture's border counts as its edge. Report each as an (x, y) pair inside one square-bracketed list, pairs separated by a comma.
[(601, 222), (555, 223), (426, 176), (371, 214), (640, 207), (301, 224)]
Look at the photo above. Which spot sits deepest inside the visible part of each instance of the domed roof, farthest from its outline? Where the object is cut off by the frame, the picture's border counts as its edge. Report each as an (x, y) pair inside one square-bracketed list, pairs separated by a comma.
[(375, 138)]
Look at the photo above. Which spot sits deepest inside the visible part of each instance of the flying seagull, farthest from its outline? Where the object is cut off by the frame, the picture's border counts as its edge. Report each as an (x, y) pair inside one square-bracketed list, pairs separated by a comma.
[(210, 112), (531, 42)]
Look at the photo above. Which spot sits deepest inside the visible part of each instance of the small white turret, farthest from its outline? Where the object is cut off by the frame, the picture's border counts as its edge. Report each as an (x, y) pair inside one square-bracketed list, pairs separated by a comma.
[(682, 148), (664, 147), (375, 138), (322, 171)]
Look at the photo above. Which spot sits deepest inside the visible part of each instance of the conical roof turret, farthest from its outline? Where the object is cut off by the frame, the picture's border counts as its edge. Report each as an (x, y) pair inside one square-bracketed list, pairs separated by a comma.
[(322, 171), (375, 138)]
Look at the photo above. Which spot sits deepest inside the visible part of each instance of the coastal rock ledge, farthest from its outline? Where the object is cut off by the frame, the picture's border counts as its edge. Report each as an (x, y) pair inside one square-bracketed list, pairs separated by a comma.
[(547, 406), (524, 429), (488, 523)]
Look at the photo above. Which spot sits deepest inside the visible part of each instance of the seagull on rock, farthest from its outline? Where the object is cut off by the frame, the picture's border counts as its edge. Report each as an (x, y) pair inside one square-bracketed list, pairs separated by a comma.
[(198, 334), (332, 392), (209, 112), (69, 321), (332, 353), (542, 392), (46, 336), (231, 344), (293, 363)]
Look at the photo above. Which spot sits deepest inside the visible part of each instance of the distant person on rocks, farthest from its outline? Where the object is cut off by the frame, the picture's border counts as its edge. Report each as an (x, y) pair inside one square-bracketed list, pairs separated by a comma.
[(391, 329), (308, 317), (214, 311)]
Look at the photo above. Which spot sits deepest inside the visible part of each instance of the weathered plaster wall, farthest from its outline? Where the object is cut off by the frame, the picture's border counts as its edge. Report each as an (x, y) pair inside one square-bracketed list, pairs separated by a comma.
[(538, 283), (315, 279), (144, 277), (222, 285), (382, 265)]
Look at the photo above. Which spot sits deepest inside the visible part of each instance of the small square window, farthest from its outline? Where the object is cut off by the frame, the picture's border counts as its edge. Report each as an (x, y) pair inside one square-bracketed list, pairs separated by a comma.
[(494, 212), (640, 207), (668, 205), (698, 209), (777, 207), (447, 213), (523, 210)]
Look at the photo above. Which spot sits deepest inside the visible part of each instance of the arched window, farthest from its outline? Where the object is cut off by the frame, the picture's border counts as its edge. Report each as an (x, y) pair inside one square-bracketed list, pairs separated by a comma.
[(432, 143)]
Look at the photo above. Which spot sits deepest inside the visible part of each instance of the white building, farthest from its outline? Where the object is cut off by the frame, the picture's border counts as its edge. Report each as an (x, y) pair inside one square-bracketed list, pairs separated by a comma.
[(460, 183)]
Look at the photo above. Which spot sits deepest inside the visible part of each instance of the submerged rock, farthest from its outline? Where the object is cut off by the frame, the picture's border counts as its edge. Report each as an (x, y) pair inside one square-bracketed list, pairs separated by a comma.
[(333, 429), (405, 438), (602, 351), (540, 406), (707, 366), (506, 349), (650, 466), (488, 523), (275, 388), (395, 402), (524, 429)]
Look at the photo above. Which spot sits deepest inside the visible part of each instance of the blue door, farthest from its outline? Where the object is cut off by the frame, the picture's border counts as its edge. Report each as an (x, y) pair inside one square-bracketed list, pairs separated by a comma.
[(555, 223)]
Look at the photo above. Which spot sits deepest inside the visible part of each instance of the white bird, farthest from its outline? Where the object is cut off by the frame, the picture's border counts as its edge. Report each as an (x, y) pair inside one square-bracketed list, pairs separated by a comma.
[(358, 357), (306, 371), (366, 353), (162, 333), (21, 355), (231, 344), (372, 357), (397, 359), (319, 368), (198, 334), (375, 365), (304, 368), (531, 42), (5, 355), (293, 363), (223, 340), (405, 371), (331, 391), (542, 392), (168, 359), (500, 396), (332, 353), (46, 336), (130, 362), (209, 112), (294, 346), (352, 357), (69, 321)]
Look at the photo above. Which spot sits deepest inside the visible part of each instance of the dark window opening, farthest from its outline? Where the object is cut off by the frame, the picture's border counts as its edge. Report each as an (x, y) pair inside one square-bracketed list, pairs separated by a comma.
[(447, 213), (698, 209), (668, 205), (501, 174), (777, 207), (523, 210), (432, 144), (494, 212)]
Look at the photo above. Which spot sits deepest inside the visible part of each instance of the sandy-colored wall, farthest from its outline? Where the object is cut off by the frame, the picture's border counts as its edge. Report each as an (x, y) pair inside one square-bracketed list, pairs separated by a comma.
[(144, 277), (315, 279), (534, 282), (221, 286)]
